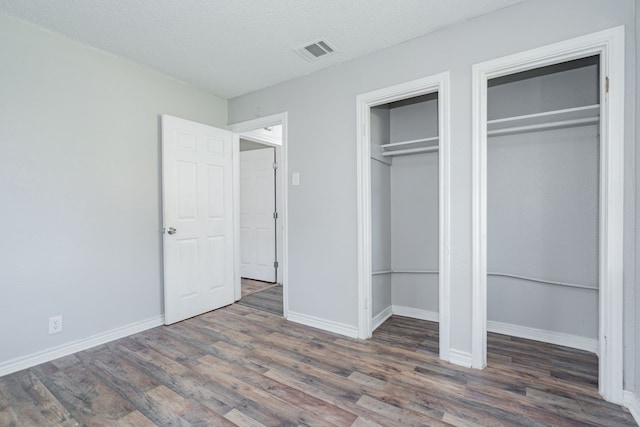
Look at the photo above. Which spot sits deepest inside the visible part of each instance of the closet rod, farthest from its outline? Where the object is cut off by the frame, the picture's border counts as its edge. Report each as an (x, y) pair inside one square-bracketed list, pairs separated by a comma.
[(542, 126), (586, 108), (548, 282), (410, 151), (513, 276), (377, 273), (412, 141), (416, 271)]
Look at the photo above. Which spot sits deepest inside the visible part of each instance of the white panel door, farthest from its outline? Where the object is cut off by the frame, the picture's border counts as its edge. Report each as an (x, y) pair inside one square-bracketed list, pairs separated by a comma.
[(198, 218), (257, 205)]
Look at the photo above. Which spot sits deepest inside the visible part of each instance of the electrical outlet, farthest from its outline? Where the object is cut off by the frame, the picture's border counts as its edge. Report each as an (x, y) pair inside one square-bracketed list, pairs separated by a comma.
[(55, 324)]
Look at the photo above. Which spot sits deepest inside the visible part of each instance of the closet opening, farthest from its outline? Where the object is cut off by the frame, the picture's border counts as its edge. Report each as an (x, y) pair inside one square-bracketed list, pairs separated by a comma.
[(559, 205), (403, 157), (404, 214), (543, 198)]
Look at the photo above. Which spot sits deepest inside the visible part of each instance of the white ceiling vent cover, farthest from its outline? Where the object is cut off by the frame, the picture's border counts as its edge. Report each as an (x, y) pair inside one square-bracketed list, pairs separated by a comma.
[(315, 50)]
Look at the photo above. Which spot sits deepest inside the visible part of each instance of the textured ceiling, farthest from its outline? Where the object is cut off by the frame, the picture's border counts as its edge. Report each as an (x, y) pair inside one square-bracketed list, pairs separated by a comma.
[(231, 47)]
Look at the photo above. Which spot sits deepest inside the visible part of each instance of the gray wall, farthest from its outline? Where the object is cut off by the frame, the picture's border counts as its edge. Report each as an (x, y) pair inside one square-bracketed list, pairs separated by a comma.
[(381, 235), (415, 230), (80, 186), (323, 211)]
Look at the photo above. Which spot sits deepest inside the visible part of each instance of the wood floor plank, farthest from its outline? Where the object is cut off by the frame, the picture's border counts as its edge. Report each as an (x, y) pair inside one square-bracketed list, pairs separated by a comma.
[(242, 420), (244, 366), (308, 386), (363, 422), (86, 398), (289, 413), (321, 410), (24, 388), (135, 419), (177, 377), (8, 416), (202, 416)]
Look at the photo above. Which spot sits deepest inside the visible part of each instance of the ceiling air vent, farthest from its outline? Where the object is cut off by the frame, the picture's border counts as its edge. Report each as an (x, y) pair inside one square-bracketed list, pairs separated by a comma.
[(315, 50)]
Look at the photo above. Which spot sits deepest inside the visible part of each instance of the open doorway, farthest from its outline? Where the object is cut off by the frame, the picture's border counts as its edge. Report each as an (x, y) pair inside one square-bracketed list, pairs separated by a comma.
[(259, 225), (260, 206)]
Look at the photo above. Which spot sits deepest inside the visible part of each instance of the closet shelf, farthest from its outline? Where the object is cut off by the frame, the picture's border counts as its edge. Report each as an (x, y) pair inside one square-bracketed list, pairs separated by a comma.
[(556, 119), (423, 145)]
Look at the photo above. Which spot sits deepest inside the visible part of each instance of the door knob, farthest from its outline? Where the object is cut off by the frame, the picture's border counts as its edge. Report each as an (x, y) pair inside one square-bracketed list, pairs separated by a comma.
[(172, 230)]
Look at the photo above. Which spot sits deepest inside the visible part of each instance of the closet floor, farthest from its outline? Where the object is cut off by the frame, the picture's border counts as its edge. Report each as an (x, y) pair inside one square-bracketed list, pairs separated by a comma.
[(246, 367)]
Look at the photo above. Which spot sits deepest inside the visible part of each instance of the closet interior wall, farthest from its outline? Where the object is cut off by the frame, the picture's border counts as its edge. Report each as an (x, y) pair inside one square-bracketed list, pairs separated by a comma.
[(405, 229), (543, 199)]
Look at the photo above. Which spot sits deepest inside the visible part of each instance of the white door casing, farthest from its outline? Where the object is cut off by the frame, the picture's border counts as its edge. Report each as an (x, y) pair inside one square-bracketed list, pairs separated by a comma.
[(197, 190), (257, 208)]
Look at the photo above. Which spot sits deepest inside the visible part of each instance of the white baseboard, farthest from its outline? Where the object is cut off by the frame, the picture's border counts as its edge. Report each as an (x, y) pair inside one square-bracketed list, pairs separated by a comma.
[(632, 402), (380, 318), (415, 313), (24, 362), (323, 324), (460, 358), (558, 338)]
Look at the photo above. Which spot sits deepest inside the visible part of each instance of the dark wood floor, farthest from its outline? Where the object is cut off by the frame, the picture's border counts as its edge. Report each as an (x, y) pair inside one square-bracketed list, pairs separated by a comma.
[(247, 367)]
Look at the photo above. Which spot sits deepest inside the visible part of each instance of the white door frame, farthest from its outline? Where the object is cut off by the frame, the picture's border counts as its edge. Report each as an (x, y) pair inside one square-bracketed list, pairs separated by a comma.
[(281, 185), (609, 44), (438, 83)]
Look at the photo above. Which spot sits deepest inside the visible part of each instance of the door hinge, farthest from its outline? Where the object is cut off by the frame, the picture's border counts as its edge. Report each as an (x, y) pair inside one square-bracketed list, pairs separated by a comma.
[(275, 165), (606, 84), (275, 215), (275, 264)]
